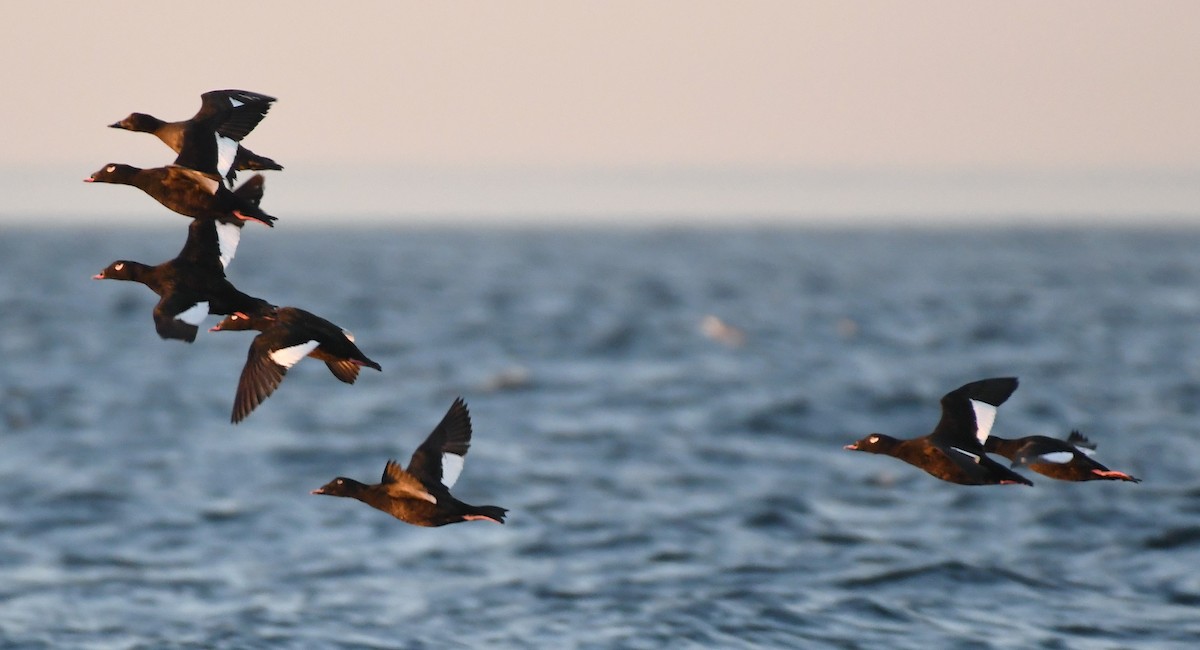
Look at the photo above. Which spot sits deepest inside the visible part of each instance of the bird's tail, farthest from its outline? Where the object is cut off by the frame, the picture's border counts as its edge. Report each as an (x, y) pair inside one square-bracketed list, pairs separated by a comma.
[(251, 190), (489, 513), (249, 160)]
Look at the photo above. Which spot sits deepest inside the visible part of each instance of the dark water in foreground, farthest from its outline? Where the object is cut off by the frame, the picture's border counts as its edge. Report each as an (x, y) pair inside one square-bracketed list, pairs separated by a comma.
[(666, 489)]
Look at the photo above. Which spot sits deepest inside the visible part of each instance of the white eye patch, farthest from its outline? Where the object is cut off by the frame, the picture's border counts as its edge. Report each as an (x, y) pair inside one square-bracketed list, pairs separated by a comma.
[(118, 267), (110, 168)]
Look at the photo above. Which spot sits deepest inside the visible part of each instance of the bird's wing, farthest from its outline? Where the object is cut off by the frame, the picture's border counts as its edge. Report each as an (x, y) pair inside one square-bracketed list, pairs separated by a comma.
[(401, 484), (262, 374), (969, 411), (440, 458)]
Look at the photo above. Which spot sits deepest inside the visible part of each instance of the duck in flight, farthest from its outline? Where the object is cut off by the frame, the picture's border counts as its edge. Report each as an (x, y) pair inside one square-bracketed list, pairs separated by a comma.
[(192, 285), (191, 193), (1065, 460), (210, 141), (420, 494), (287, 335), (954, 451)]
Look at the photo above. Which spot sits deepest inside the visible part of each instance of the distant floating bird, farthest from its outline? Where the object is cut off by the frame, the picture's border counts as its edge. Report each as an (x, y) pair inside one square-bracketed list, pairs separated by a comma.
[(189, 192), (191, 286), (1065, 460), (847, 328), (288, 335), (209, 141), (954, 452), (421, 495), (718, 330), (512, 378)]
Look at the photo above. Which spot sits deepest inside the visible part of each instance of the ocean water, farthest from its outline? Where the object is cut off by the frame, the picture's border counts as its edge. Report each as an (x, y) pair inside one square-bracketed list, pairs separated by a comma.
[(662, 411)]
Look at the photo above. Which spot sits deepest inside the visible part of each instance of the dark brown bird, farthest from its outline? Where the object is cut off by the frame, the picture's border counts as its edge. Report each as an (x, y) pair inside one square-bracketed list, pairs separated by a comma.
[(191, 286), (288, 335), (209, 141), (1065, 460), (954, 452), (189, 192), (421, 495)]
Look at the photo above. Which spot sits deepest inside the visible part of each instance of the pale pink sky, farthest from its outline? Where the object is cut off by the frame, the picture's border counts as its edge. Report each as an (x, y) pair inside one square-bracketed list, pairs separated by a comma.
[(413, 109)]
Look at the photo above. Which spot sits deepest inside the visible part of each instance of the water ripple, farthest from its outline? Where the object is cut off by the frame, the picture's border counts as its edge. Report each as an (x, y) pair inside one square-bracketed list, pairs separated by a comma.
[(667, 487)]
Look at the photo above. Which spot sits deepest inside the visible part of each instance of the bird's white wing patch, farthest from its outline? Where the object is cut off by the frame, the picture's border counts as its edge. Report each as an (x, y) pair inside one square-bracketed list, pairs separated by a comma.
[(1057, 457), (195, 314), (985, 416), (228, 236), (452, 466), (974, 457), (290, 356), (236, 103), (226, 151)]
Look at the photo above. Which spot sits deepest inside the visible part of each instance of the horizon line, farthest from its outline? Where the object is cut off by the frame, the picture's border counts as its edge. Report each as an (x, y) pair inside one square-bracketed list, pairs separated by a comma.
[(659, 195)]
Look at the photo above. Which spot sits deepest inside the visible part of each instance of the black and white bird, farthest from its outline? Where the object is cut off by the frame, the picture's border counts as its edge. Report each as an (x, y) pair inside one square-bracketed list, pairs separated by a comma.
[(287, 335), (420, 495), (1065, 460), (209, 141), (954, 451), (192, 285), (191, 193)]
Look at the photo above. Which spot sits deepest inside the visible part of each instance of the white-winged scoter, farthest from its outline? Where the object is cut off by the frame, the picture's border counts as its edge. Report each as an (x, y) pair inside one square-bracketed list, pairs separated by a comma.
[(287, 335), (191, 286), (421, 495), (954, 451), (209, 140), (1065, 460), (189, 192)]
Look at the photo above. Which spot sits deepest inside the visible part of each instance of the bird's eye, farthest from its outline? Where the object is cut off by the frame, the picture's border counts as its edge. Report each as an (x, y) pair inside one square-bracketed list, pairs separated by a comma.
[(118, 267), (110, 168), (873, 439), (339, 481)]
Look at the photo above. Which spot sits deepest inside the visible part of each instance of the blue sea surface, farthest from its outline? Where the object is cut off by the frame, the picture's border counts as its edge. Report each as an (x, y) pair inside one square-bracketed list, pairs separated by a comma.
[(663, 413)]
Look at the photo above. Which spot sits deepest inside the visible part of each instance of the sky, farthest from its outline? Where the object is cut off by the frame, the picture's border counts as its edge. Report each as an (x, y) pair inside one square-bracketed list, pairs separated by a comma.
[(629, 111)]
